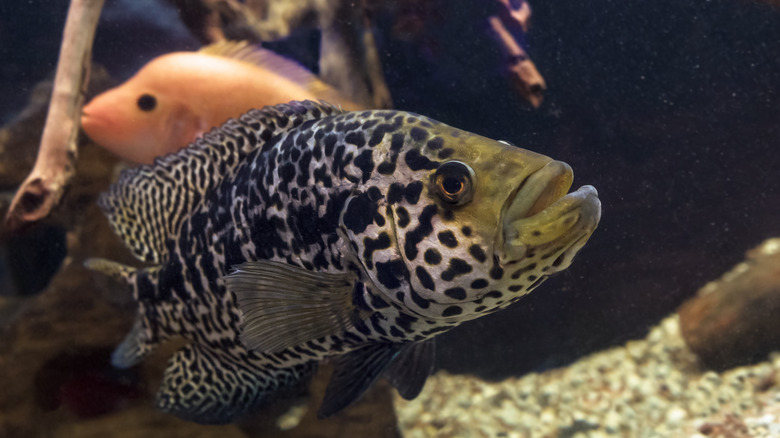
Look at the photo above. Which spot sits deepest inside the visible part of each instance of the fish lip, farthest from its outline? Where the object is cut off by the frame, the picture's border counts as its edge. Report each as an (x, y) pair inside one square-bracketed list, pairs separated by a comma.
[(541, 202), (89, 120), (537, 191)]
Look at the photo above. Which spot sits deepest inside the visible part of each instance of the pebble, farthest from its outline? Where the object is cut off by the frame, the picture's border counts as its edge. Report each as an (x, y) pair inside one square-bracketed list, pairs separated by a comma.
[(653, 387)]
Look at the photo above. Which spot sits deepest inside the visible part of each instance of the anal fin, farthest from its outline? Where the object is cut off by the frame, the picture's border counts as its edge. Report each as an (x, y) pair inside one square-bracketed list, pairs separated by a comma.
[(138, 342)]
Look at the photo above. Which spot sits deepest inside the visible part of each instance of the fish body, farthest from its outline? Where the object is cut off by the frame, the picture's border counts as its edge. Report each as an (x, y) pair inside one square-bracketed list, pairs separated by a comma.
[(300, 232), (179, 96)]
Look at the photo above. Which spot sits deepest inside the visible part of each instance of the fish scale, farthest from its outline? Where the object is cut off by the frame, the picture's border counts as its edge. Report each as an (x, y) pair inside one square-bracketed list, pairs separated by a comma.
[(298, 232)]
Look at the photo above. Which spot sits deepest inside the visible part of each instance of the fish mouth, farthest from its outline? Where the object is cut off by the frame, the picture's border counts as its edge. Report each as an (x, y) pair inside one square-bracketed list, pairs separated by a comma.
[(540, 214), (90, 121)]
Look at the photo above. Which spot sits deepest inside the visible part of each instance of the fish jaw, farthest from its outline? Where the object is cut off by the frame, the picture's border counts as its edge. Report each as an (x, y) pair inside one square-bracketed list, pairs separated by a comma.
[(120, 134), (92, 124), (541, 217), (102, 127)]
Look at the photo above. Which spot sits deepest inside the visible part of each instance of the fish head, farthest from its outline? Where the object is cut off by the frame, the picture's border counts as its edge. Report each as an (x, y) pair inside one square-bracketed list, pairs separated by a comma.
[(477, 223), (139, 122)]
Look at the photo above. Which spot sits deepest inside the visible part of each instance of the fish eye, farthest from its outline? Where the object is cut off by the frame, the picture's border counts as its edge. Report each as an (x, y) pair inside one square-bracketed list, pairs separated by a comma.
[(454, 182), (147, 102)]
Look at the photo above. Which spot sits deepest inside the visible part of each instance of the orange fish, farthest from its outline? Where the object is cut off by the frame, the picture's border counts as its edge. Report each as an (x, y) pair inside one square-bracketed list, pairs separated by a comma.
[(179, 96)]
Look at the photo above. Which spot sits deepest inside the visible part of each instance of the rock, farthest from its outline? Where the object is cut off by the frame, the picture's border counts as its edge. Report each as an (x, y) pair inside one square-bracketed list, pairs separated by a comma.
[(662, 393), (734, 320)]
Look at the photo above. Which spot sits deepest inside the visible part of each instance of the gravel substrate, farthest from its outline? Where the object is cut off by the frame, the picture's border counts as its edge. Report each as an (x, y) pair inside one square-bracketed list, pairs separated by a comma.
[(648, 388)]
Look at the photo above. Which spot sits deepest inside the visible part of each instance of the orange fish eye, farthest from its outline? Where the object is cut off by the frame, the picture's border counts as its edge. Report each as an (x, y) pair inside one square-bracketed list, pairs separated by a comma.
[(147, 102), (453, 182)]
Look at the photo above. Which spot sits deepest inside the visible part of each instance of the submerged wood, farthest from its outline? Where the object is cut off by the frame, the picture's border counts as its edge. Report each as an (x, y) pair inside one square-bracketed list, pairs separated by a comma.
[(54, 167), (348, 55), (522, 71)]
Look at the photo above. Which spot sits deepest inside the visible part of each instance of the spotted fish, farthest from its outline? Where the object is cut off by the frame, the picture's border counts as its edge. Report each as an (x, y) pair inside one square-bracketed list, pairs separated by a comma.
[(300, 232)]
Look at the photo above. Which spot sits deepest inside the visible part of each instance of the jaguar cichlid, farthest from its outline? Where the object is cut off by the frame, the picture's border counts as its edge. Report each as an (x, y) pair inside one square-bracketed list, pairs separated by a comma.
[(300, 232)]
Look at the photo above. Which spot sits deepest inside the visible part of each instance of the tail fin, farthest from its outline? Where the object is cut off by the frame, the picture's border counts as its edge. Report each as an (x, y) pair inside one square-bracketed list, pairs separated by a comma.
[(143, 282), (142, 339)]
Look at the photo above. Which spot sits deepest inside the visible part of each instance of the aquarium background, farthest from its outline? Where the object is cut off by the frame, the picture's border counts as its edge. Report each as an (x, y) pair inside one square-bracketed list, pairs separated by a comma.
[(670, 109)]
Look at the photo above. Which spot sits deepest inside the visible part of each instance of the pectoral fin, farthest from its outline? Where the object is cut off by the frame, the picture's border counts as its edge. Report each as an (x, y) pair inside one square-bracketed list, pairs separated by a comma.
[(355, 373), (409, 371), (184, 124), (286, 305)]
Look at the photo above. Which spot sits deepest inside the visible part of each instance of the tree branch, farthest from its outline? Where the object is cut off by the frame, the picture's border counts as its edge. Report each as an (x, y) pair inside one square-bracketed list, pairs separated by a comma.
[(523, 73), (54, 167)]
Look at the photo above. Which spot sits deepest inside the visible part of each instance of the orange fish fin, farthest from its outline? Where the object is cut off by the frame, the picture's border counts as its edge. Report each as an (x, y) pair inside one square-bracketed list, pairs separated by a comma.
[(288, 68), (186, 125)]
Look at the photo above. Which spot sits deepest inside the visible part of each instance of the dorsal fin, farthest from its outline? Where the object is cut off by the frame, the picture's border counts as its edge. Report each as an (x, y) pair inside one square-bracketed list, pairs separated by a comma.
[(288, 68), (146, 206)]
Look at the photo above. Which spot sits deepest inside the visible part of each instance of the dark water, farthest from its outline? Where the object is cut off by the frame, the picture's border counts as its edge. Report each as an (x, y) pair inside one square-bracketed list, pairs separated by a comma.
[(670, 109)]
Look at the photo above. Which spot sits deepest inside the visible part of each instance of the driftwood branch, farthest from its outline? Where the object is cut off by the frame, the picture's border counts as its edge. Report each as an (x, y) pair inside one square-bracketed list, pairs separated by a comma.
[(54, 167), (348, 55), (523, 73)]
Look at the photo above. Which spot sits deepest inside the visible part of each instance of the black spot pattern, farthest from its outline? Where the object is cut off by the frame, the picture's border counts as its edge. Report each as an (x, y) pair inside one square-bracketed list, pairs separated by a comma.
[(414, 237), (456, 293), (452, 311), (395, 193), (445, 153), (448, 239), (391, 273), (371, 245), (494, 294), (360, 213), (518, 273), (365, 163), (477, 252), (382, 129), (355, 138), (418, 300), (496, 272), (417, 161), (403, 217), (405, 322), (456, 267), (435, 143), (479, 283), (412, 192), (329, 142), (425, 278), (418, 134), (432, 256)]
